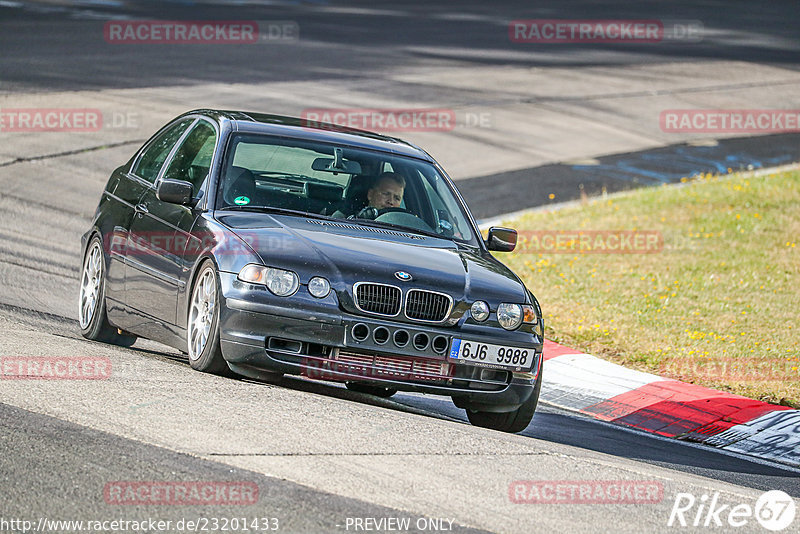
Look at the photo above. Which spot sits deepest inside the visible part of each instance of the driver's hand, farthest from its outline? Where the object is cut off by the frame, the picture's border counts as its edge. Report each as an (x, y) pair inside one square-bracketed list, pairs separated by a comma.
[(368, 213)]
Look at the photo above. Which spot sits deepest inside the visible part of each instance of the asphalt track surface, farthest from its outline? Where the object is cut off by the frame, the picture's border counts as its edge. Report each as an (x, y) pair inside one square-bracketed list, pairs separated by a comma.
[(318, 453)]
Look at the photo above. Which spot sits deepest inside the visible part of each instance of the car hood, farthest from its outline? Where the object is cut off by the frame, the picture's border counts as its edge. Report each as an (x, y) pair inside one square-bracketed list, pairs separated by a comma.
[(346, 253)]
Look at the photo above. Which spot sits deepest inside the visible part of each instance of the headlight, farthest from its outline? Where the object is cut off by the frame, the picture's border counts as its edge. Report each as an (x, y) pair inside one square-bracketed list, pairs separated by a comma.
[(280, 282), (319, 287), (479, 311), (509, 315)]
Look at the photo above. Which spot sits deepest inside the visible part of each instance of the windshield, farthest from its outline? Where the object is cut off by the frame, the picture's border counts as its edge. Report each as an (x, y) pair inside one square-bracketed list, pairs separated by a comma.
[(293, 176)]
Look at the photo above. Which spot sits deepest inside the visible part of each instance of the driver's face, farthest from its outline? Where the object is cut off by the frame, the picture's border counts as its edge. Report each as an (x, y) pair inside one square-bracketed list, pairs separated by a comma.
[(386, 194)]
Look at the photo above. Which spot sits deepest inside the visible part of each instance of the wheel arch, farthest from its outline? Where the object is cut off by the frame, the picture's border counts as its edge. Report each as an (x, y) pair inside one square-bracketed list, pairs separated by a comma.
[(190, 281), (86, 238)]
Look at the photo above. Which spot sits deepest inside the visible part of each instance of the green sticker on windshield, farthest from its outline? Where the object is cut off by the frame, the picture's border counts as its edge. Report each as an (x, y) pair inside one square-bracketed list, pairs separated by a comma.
[(241, 201)]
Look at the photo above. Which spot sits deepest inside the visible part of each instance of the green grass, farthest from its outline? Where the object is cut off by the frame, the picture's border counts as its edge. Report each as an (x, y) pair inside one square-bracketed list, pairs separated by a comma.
[(717, 306)]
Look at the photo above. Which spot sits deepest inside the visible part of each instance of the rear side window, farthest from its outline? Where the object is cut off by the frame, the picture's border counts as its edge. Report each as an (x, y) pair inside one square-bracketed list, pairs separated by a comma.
[(153, 157)]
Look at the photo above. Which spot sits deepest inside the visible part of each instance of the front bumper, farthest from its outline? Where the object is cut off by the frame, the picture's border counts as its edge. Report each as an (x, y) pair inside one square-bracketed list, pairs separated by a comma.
[(314, 338)]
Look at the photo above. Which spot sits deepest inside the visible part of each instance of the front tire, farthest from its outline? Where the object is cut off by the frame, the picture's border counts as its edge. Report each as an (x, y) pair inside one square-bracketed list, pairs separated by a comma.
[(378, 391), (202, 329), (92, 317), (514, 421)]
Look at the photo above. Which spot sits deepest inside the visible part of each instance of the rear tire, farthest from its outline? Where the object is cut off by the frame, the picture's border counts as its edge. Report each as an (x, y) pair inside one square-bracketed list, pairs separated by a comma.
[(202, 328), (378, 391), (514, 421), (92, 317)]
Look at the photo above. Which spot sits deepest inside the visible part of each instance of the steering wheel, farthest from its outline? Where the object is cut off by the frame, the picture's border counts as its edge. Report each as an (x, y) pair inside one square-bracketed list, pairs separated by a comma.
[(397, 216), (373, 213), (402, 217), (384, 211)]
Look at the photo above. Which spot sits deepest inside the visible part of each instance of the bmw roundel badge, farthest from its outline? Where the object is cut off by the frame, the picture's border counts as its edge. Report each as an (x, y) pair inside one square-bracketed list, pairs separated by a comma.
[(402, 276)]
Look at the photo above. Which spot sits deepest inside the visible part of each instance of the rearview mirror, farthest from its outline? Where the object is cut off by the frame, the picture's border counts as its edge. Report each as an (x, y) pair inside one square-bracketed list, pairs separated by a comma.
[(336, 164), (175, 192), (501, 239)]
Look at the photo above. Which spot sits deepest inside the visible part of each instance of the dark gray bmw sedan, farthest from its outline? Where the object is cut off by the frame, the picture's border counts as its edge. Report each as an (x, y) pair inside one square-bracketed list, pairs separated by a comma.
[(264, 245)]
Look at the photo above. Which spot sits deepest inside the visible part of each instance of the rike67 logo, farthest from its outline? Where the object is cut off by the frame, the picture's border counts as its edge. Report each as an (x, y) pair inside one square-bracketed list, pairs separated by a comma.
[(774, 510)]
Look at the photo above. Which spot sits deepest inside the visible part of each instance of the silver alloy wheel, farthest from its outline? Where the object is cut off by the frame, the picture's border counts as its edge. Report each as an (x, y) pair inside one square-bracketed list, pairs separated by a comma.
[(91, 281), (201, 313)]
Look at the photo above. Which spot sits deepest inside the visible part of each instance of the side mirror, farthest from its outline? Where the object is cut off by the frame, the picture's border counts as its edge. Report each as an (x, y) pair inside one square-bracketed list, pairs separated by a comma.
[(501, 239), (175, 192)]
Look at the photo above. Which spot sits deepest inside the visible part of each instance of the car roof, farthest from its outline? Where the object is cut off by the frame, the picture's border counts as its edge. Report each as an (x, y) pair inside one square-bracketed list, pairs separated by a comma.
[(262, 123)]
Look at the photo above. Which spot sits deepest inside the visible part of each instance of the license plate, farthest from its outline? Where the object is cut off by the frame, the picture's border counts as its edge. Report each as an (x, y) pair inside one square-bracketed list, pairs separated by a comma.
[(489, 355)]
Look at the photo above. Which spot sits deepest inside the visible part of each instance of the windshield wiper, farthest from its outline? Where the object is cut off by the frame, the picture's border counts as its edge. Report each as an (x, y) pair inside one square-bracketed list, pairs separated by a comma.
[(275, 209)]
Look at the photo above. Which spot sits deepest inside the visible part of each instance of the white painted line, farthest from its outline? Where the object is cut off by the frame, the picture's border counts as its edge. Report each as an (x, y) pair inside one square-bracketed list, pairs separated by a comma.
[(576, 381), (699, 446)]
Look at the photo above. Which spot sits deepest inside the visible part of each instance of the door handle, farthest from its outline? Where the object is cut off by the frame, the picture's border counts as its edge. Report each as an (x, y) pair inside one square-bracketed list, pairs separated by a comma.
[(141, 208)]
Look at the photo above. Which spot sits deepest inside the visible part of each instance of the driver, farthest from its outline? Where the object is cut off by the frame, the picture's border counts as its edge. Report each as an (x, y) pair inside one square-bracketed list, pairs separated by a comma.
[(387, 192)]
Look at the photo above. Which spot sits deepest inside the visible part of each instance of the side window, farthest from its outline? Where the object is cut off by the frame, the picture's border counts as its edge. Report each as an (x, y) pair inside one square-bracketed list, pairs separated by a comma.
[(152, 159), (192, 161)]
